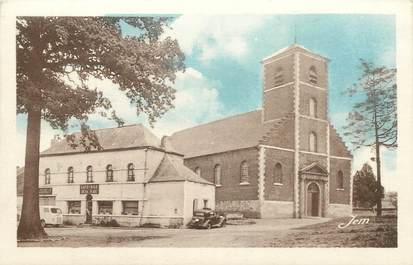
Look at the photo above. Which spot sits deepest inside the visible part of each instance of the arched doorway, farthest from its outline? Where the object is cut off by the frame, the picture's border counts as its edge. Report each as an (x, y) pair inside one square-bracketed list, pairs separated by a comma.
[(89, 209), (313, 200)]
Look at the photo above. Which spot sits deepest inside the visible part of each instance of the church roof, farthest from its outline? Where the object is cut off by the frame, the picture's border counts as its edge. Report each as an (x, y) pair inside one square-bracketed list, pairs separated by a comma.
[(129, 136), (172, 168), (232, 133), (291, 48)]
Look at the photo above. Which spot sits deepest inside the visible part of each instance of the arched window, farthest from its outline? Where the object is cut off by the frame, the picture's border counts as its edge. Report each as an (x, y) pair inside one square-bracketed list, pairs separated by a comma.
[(47, 176), (313, 107), (278, 77), (131, 172), (312, 75), (70, 175), (278, 174), (89, 174), (198, 171), (109, 173), (340, 180), (217, 175), (244, 172), (313, 142)]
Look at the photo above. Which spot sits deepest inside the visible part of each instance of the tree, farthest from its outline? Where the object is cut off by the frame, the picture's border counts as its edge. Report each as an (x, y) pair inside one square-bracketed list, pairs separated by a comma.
[(373, 121), (365, 187), (57, 56)]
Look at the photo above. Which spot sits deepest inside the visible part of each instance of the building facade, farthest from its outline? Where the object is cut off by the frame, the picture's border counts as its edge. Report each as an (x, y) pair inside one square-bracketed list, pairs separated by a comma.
[(135, 180), (284, 160)]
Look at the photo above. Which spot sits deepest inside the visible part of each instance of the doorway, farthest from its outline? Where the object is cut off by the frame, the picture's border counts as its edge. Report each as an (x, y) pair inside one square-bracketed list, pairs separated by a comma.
[(313, 200), (89, 206)]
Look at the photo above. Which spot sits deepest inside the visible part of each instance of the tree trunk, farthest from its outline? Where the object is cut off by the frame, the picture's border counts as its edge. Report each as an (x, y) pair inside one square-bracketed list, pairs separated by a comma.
[(376, 134), (29, 226)]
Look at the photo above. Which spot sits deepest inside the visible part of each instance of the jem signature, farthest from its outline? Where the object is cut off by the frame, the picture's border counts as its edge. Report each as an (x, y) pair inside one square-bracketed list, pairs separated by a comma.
[(354, 221)]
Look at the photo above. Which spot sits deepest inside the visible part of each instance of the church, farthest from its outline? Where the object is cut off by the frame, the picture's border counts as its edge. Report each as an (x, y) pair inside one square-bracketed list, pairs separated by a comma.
[(283, 160)]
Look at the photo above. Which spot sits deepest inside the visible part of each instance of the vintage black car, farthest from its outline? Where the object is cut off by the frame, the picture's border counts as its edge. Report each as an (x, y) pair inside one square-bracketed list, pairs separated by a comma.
[(207, 219)]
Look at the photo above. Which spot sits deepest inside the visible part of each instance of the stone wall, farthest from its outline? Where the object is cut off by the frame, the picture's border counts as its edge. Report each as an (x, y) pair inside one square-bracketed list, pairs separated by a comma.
[(277, 209), (250, 208)]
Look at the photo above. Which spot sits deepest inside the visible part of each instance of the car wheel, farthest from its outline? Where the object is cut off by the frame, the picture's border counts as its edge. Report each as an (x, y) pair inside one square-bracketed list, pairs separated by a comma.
[(43, 223)]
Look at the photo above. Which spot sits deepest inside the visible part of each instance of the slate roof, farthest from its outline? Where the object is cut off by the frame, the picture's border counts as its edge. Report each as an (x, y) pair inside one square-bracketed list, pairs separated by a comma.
[(19, 180), (172, 168), (292, 47), (236, 132), (112, 138)]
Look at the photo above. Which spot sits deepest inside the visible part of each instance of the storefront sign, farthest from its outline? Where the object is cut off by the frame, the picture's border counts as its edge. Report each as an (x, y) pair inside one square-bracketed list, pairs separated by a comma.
[(45, 191), (89, 189)]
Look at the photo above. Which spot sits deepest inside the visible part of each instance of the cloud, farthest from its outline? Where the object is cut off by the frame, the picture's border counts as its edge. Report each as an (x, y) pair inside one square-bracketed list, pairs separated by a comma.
[(197, 101), (215, 36)]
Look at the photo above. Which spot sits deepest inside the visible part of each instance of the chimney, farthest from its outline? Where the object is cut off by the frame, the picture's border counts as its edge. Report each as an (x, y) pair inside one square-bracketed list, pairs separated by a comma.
[(56, 139)]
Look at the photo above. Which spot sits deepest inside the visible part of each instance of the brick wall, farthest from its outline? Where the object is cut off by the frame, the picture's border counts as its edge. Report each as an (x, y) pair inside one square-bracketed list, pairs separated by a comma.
[(282, 136), (321, 67), (307, 92), (306, 127), (277, 103), (340, 196), (230, 175), (279, 192), (270, 69)]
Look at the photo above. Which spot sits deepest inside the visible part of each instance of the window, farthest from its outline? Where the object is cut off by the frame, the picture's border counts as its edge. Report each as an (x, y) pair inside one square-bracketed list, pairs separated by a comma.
[(217, 175), (47, 176), (89, 174), (278, 174), (278, 77), (105, 207), (313, 107), (131, 172), (73, 207), (205, 203), (244, 173), (195, 205), (313, 142), (130, 207), (198, 171), (70, 175), (109, 173), (340, 180), (312, 75)]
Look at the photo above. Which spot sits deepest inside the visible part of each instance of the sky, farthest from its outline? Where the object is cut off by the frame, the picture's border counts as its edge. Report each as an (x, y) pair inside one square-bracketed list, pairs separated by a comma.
[(223, 70)]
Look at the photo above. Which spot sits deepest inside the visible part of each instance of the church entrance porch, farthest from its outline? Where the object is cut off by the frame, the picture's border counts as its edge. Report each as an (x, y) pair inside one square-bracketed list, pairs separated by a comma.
[(313, 191)]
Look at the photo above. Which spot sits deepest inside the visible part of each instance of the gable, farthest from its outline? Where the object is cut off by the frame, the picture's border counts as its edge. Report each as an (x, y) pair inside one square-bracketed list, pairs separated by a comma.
[(314, 168), (337, 145)]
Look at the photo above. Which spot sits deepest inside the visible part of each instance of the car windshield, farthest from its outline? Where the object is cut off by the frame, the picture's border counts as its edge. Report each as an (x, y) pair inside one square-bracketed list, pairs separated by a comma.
[(55, 210), (198, 214)]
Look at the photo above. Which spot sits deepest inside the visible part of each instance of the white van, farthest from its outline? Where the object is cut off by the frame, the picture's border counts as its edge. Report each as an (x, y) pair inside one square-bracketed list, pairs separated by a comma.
[(50, 215)]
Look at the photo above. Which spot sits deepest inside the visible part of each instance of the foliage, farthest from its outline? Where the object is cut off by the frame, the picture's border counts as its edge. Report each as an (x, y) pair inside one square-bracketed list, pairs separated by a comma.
[(365, 187), (377, 88), (57, 56)]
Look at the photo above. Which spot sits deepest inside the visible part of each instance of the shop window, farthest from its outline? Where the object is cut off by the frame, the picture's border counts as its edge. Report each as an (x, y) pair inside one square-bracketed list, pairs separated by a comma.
[(130, 207), (47, 176), (109, 173), (313, 142), (313, 107), (244, 173), (217, 175), (70, 175), (105, 207), (198, 171), (278, 174), (279, 77), (131, 172), (340, 180), (312, 75), (89, 174), (73, 207)]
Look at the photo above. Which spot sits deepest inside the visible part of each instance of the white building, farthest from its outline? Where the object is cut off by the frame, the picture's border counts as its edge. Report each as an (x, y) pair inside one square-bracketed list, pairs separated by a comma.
[(136, 179)]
